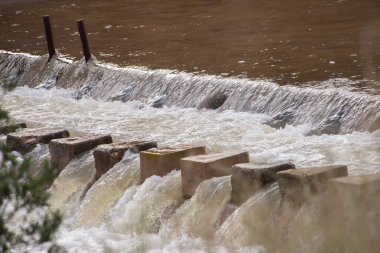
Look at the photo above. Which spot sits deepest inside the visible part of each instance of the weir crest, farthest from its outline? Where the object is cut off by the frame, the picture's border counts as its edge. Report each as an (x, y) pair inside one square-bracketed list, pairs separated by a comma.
[(327, 110)]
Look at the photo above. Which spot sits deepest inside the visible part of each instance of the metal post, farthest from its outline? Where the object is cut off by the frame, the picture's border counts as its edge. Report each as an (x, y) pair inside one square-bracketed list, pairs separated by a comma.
[(49, 36), (83, 38)]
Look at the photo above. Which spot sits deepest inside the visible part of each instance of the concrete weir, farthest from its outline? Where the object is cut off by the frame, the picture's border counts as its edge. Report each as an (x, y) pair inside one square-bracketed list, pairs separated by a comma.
[(361, 187), (198, 168), (11, 128), (298, 188), (353, 204), (161, 161), (248, 178), (62, 151), (27, 140), (287, 105), (316, 202), (107, 155), (341, 204), (297, 185)]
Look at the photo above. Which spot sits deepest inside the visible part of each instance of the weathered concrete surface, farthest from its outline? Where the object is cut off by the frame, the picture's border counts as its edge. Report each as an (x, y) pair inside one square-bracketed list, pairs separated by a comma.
[(198, 168), (353, 209), (363, 186), (107, 155), (161, 161), (296, 186), (11, 128), (62, 151), (248, 178), (301, 190), (27, 140)]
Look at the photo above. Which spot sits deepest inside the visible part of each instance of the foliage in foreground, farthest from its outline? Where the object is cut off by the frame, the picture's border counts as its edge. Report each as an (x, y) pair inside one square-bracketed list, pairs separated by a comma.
[(25, 218), (26, 221)]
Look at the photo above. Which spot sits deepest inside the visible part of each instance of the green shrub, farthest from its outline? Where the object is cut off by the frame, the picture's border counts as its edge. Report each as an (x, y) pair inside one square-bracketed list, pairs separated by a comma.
[(26, 220)]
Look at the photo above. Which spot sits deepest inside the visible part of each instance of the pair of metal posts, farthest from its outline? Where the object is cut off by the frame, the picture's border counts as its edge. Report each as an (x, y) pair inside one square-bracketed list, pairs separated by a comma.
[(50, 40)]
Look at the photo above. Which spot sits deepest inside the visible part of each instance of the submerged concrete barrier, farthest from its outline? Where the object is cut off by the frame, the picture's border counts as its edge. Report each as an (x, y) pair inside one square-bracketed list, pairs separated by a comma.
[(62, 151), (107, 155), (300, 187), (11, 128), (353, 209), (297, 185), (27, 140), (198, 168), (161, 161), (248, 178)]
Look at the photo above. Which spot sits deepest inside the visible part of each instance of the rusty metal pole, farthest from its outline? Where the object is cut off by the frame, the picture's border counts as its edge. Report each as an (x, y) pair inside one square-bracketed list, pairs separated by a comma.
[(83, 38), (49, 36)]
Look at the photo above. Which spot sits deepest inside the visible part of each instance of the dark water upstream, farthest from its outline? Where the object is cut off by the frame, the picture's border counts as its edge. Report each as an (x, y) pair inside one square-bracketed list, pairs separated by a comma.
[(291, 42)]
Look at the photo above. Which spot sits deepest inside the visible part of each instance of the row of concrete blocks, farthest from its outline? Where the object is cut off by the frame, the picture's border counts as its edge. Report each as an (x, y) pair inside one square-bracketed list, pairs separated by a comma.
[(296, 185)]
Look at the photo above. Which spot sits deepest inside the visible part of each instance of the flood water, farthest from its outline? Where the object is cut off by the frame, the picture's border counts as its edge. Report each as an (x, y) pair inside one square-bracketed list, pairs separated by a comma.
[(118, 215), (289, 42), (287, 81)]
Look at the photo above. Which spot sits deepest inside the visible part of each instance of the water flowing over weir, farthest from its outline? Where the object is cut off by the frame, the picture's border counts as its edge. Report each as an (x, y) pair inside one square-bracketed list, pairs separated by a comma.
[(327, 110), (118, 214)]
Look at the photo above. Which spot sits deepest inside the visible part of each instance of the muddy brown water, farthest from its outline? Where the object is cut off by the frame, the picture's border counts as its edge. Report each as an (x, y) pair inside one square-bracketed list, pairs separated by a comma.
[(291, 42)]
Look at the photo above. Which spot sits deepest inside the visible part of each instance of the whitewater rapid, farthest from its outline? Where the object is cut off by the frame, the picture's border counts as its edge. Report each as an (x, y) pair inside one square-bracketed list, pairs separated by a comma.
[(227, 130), (118, 215), (328, 107)]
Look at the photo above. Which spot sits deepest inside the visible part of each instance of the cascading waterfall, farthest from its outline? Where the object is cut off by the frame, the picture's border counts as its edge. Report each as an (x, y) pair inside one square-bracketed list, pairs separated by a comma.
[(13, 65), (152, 204), (118, 214), (106, 191), (307, 227), (38, 157), (251, 224), (71, 182), (328, 110), (200, 215)]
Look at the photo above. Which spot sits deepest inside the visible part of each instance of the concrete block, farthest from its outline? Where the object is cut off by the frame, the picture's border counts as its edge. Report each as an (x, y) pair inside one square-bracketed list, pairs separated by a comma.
[(296, 186), (198, 168), (11, 128), (353, 205), (363, 186), (248, 178), (107, 155), (355, 192), (161, 161), (27, 140), (62, 151)]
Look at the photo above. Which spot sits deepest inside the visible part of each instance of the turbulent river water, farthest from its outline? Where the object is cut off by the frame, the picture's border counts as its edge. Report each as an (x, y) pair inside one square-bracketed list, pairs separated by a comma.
[(287, 81), (118, 215)]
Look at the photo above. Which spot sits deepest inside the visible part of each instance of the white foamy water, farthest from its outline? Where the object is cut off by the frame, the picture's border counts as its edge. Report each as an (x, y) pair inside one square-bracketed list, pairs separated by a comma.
[(207, 205), (39, 156), (329, 107), (116, 215), (69, 185), (227, 130), (108, 189), (250, 224), (151, 205)]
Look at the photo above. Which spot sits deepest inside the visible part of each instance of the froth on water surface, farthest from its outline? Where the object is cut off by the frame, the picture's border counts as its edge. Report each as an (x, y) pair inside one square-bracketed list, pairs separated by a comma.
[(118, 215), (227, 130), (331, 48)]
